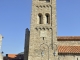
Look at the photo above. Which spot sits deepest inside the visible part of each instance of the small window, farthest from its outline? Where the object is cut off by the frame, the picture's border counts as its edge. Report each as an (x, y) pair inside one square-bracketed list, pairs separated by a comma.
[(40, 18), (47, 18)]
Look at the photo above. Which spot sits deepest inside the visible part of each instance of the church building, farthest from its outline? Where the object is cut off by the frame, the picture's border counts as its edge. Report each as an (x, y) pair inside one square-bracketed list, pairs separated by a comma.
[(42, 42)]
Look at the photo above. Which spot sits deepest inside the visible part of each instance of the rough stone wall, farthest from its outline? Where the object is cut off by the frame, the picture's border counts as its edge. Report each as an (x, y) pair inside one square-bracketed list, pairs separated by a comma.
[(69, 57), (69, 43), (42, 44), (41, 48), (66, 57)]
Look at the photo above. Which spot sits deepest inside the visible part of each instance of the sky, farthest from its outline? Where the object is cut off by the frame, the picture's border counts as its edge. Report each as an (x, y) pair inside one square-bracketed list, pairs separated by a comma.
[(15, 16)]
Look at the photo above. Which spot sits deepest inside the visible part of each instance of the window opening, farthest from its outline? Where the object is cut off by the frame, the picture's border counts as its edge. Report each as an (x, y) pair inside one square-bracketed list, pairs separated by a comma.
[(43, 38), (40, 19), (48, 18)]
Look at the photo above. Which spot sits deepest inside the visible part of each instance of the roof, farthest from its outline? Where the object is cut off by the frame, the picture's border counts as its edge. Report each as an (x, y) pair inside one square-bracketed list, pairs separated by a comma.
[(62, 49), (68, 49), (21, 53), (68, 38), (12, 55)]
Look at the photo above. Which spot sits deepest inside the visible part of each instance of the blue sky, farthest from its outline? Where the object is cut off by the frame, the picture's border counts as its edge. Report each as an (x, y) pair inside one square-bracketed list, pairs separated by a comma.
[(15, 18)]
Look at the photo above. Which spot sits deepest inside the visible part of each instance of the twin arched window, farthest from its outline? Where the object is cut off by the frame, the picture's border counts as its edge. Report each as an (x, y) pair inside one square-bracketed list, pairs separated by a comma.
[(47, 18)]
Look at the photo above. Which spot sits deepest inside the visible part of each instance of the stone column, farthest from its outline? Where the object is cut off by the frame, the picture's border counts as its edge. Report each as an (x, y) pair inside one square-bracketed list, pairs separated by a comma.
[(1, 57)]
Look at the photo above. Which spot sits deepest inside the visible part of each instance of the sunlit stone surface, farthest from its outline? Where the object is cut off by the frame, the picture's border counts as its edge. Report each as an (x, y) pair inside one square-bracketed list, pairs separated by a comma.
[(1, 56)]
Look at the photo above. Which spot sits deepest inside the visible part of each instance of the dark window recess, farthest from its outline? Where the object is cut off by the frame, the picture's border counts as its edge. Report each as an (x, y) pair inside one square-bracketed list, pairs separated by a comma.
[(43, 38), (40, 18), (48, 18)]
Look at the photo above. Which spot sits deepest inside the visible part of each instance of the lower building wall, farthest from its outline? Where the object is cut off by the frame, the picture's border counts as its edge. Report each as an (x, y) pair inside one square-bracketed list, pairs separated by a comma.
[(69, 43), (69, 57)]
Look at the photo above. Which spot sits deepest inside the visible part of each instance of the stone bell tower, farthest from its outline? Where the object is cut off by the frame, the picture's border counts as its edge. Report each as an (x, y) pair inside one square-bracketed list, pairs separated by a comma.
[(43, 38)]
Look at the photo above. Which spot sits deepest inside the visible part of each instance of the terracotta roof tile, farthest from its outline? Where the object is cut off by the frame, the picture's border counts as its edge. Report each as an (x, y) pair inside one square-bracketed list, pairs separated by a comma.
[(68, 49), (12, 55)]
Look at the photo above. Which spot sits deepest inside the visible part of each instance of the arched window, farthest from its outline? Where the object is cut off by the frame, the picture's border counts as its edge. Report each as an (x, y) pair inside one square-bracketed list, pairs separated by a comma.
[(40, 18), (47, 18)]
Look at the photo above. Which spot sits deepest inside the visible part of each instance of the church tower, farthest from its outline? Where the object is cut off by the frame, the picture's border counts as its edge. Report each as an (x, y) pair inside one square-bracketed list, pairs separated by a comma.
[(43, 34)]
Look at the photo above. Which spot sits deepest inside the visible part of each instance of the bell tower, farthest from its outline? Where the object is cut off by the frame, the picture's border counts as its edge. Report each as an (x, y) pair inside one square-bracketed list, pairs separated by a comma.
[(43, 33)]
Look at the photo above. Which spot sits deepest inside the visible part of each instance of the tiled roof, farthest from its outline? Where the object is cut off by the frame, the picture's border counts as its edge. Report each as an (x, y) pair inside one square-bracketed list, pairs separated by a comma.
[(12, 55), (68, 38), (61, 49), (68, 49)]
